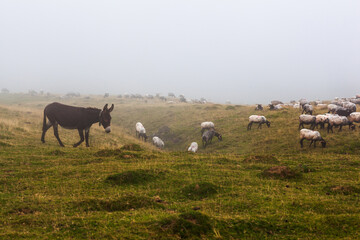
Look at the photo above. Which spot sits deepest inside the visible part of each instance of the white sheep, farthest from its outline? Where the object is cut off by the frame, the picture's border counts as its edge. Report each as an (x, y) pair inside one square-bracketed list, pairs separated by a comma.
[(321, 119), (339, 121), (354, 117), (312, 136), (332, 108), (296, 105), (257, 119), (308, 109), (140, 131), (158, 142), (349, 105), (307, 119), (193, 147), (206, 126)]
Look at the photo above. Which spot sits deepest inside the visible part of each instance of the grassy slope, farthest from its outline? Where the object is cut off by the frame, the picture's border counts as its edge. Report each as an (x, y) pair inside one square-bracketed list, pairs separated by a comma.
[(52, 192)]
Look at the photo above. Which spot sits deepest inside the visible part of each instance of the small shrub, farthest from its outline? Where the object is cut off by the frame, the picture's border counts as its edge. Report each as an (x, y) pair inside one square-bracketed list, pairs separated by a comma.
[(280, 172), (187, 225), (198, 191)]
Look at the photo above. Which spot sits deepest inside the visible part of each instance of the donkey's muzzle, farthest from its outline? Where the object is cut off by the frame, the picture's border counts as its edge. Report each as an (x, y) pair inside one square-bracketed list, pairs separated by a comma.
[(108, 129)]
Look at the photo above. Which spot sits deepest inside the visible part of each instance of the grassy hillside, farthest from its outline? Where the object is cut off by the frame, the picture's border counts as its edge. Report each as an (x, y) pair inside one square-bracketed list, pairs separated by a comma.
[(254, 184)]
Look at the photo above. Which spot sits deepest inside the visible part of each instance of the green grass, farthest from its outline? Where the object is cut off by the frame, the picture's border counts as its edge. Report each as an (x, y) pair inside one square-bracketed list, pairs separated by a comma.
[(122, 188)]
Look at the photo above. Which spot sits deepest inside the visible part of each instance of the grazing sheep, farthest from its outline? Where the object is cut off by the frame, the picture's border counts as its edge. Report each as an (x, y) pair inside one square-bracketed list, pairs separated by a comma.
[(302, 102), (276, 102), (259, 107), (332, 108), (193, 147), (308, 109), (355, 100), (313, 136), (307, 119), (208, 136), (206, 126), (350, 106), (257, 119), (343, 111), (275, 107), (140, 131), (321, 119), (158, 142), (339, 121), (296, 105), (354, 117)]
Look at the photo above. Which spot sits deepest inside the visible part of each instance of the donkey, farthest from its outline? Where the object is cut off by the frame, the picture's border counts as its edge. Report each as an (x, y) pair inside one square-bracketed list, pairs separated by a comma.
[(75, 118)]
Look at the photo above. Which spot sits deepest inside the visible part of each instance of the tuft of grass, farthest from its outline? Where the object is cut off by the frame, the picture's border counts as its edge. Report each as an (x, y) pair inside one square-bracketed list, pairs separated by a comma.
[(198, 191), (345, 190), (108, 153), (131, 147), (261, 159), (57, 153), (139, 176), (4, 144), (280, 172), (187, 225), (126, 203)]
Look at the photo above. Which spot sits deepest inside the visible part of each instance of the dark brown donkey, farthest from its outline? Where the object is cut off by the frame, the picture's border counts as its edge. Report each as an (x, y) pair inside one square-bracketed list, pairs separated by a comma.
[(75, 118)]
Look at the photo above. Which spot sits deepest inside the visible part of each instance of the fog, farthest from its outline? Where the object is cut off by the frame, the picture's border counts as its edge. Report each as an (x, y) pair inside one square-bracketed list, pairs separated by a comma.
[(242, 51)]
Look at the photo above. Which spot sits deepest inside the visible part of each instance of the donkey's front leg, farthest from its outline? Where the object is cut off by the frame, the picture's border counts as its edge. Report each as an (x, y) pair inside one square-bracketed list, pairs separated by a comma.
[(81, 134)]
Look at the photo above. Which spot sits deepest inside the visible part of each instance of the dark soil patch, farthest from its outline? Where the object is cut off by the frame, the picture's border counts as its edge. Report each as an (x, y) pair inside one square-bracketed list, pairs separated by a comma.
[(22, 211), (139, 176), (198, 191), (345, 190), (187, 225), (131, 147), (261, 159), (280, 172), (125, 203)]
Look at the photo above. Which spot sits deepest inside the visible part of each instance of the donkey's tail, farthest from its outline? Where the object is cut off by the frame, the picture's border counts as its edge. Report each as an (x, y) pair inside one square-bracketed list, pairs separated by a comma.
[(44, 122)]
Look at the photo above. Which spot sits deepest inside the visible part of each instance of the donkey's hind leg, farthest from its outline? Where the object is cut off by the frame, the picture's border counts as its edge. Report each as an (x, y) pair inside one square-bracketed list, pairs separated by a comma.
[(56, 133), (45, 128)]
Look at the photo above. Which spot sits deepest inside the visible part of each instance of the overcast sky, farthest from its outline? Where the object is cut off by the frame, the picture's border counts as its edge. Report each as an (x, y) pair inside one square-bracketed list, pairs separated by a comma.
[(245, 51)]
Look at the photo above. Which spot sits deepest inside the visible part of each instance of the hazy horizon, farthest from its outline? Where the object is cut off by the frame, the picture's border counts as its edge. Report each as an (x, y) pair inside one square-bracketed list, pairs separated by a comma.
[(243, 51)]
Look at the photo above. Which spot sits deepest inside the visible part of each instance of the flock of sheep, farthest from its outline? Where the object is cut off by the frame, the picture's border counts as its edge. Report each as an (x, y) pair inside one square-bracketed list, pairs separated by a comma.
[(341, 112), (207, 132)]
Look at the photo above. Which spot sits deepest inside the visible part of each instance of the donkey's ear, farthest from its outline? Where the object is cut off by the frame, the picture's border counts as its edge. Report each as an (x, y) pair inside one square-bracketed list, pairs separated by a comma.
[(111, 108), (105, 107)]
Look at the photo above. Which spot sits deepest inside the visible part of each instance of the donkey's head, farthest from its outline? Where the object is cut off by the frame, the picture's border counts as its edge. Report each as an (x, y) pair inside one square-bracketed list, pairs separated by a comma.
[(105, 117)]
